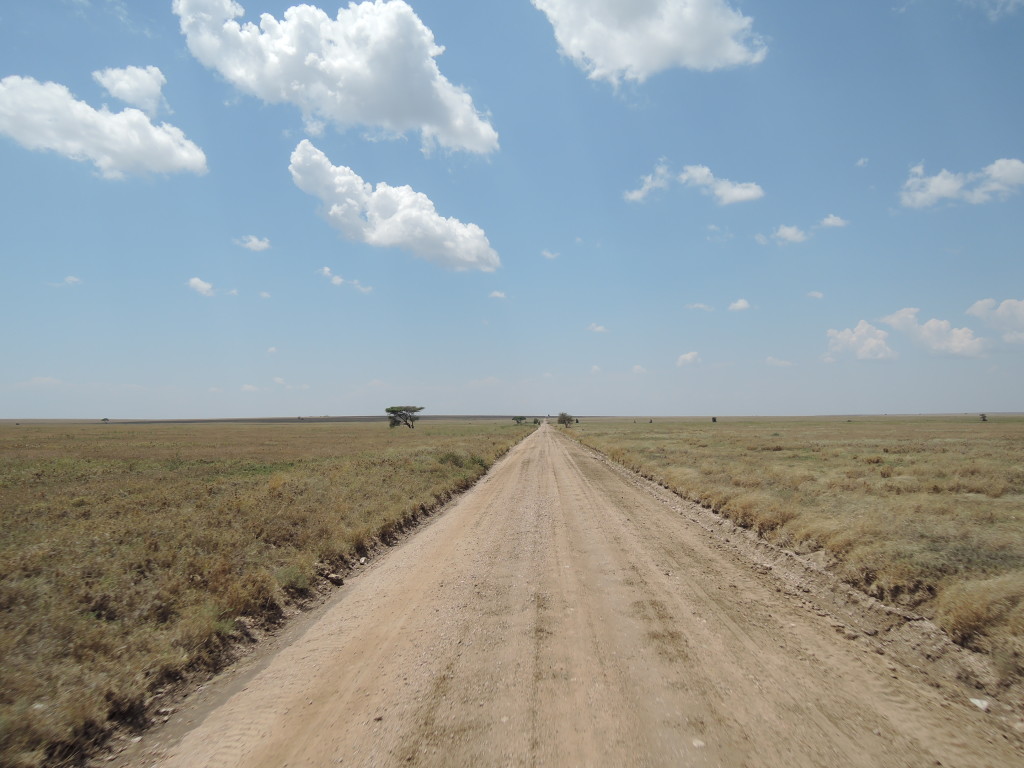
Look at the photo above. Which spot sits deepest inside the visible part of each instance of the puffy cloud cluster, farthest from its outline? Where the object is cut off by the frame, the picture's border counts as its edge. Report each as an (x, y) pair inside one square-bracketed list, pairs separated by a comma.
[(138, 86), (389, 216), (46, 116), (689, 358), (865, 341), (373, 65), (739, 305), (1006, 316), (997, 180), (629, 39), (724, 191), (936, 335)]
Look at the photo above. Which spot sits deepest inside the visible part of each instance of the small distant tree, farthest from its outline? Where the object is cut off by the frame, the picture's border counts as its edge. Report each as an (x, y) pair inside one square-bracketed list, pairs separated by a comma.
[(399, 415), (536, 420), (105, 420), (518, 419), (984, 417), (565, 419)]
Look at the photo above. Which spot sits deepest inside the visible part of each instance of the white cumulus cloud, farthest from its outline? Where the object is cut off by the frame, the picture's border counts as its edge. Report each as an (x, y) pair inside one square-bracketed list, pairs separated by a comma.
[(614, 40), (739, 305), (834, 221), (372, 65), (789, 234), (201, 287), (688, 358), (1006, 317), (596, 328), (141, 87), (253, 243), (497, 295), (936, 335), (725, 192), (389, 216), (865, 341), (46, 116), (998, 180)]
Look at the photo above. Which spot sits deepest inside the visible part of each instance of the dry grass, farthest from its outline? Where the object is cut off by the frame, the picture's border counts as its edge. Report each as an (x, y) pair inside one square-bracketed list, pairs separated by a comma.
[(926, 512), (133, 556)]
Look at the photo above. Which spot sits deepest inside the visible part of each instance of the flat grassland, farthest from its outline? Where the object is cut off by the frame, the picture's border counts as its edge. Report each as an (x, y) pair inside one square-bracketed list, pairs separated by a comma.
[(925, 512), (134, 555)]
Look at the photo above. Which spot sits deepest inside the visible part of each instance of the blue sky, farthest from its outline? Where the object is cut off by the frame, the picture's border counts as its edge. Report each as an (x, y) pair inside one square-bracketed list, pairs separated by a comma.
[(668, 207)]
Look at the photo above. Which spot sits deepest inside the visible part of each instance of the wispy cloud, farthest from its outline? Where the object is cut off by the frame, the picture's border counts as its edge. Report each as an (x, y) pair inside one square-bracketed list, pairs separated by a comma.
[(789, 234), (659, 179), (724, 191), (339, 280), (689, 358), (995, 181), (497, 295), (815, 295), (253, 243), (701, 307), (597, 328), (775, 362), (834, 221), (549, 254), (739, 305)]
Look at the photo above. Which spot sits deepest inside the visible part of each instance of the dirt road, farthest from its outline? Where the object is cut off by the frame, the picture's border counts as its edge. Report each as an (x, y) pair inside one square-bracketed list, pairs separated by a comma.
[(561, 614)]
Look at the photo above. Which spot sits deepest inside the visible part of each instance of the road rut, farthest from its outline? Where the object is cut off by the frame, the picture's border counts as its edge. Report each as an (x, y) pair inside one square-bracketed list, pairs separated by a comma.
[(559, 614)]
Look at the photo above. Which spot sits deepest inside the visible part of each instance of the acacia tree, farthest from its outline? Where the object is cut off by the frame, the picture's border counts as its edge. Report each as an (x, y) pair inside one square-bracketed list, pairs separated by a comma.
[(518, 419), (403, 414), (565, 419)]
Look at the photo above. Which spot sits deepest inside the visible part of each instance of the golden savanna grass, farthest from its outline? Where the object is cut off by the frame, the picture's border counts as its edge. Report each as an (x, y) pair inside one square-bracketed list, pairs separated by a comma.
[(925, 512), (135, 555)]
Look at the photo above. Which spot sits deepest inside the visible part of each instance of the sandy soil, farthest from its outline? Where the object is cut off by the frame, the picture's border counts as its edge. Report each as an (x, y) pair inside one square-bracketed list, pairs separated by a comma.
[(564, 612)]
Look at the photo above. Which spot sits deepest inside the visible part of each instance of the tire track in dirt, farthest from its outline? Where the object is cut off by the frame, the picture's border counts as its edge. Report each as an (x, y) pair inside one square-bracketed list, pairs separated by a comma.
[(560, 614)]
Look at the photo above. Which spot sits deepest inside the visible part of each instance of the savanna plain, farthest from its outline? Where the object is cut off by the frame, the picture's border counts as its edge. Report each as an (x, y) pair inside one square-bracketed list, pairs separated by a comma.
[(138, 558)]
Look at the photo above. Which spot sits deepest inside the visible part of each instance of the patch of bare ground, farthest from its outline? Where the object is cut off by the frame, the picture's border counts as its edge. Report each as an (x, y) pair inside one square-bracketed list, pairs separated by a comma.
[(567, 612)]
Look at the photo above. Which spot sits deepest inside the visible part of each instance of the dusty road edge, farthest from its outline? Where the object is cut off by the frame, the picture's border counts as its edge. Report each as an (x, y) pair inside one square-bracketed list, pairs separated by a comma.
[(182, 707), (909, 640)]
